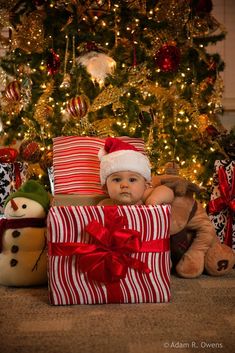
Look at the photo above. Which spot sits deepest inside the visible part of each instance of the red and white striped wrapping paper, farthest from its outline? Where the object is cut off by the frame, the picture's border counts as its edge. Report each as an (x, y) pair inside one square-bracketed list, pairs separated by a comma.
[(76, 164), (69, 285)]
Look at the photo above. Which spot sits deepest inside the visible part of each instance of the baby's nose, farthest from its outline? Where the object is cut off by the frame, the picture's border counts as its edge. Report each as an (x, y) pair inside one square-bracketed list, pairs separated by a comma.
[(124, 184)]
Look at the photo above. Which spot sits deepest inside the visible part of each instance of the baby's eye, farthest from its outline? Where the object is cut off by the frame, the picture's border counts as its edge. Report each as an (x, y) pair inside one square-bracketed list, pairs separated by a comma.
[(24, 206), (132, 180), (117, 180)]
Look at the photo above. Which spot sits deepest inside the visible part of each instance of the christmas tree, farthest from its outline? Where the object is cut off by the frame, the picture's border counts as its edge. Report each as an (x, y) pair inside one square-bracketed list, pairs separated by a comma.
[(112, 68)]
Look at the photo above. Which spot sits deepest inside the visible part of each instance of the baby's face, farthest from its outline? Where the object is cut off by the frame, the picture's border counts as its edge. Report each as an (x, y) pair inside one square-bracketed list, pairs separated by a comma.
[(126, 188)]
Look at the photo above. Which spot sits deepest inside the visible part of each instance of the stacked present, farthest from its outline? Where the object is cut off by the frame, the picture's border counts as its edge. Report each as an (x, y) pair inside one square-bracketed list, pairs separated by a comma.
[(102, 254), (76, 169), (12, 173), (221, 207)]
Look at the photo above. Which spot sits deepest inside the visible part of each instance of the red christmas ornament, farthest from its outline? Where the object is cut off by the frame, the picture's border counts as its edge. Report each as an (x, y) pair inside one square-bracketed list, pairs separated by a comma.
[(77, 106), (46, 160), (8, 155), (212, 131), (167, 58), (53, 63), (12, 91), (30, 151)]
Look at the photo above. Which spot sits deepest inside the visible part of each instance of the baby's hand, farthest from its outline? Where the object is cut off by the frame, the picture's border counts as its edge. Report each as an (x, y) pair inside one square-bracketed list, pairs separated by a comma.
[(159, 195)]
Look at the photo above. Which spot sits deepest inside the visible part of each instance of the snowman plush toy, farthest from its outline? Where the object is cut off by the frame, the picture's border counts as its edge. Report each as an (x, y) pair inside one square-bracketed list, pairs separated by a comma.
[(23, 253)]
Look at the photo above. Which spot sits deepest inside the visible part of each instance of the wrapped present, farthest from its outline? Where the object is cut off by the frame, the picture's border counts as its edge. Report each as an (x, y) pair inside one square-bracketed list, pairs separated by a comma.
[(108, 254), (221, 207), (12, 174), (76, 164)]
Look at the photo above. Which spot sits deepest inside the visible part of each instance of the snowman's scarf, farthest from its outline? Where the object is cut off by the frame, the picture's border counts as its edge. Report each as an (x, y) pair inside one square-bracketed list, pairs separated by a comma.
[(20, 223)]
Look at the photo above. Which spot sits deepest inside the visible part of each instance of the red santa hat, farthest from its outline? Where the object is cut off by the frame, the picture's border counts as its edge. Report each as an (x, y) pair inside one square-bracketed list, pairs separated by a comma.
[(118, 156)]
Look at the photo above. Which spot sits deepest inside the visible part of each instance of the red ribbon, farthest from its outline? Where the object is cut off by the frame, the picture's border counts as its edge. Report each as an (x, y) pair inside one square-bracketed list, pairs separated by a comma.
[(17, 176), (225, 201), (107, 259)]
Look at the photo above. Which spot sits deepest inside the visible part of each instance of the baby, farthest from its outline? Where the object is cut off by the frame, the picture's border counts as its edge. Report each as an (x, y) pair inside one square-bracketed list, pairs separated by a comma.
[(125, 175)]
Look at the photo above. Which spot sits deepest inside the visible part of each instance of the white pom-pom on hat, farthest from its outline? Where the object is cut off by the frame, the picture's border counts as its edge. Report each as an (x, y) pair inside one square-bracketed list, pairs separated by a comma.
[(117, 156)]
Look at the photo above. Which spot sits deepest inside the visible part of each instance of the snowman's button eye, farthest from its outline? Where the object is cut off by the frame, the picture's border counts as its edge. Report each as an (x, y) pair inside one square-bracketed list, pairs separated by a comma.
[(14, 249), (24, 206), (15, 233), (13, 262)]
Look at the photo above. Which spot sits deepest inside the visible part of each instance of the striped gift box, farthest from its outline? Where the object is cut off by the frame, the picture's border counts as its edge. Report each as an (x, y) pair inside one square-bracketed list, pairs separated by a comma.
[(108, 254), (76, 163)]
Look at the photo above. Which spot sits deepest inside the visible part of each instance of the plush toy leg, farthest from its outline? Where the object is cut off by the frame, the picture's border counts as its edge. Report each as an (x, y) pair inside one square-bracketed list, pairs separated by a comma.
[(192, 263), (219, 259)]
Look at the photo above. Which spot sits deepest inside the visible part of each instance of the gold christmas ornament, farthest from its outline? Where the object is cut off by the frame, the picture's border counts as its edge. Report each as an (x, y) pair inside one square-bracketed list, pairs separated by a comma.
[(10, 107), (29, 36), (43, 109), (66, 81), (203, 122)]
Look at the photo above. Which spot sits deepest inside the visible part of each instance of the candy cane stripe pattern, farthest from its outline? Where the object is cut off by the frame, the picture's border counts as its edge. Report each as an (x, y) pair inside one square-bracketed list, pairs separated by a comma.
[(69, 285)]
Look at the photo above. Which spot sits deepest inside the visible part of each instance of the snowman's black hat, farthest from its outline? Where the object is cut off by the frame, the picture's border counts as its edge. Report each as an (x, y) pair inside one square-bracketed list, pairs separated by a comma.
[(33, 190)]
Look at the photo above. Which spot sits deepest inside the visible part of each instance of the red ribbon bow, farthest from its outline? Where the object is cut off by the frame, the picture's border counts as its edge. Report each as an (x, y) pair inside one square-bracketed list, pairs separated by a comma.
[(110, 260), (225, 201)]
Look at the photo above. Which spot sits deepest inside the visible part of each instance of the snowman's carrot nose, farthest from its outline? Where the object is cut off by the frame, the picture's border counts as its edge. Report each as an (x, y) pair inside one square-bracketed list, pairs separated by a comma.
[(14, 205)]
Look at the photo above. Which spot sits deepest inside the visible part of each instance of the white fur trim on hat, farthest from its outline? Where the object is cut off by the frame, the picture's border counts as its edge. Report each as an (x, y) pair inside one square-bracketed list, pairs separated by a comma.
[(123, 160)]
